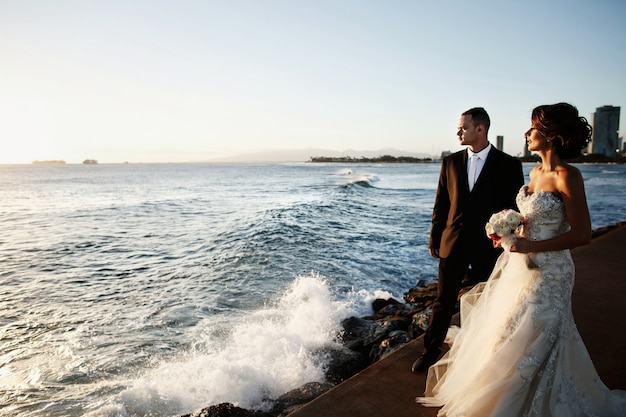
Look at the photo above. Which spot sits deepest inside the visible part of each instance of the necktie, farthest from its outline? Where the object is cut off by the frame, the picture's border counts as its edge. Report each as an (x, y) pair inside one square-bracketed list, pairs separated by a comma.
[(473, 169)]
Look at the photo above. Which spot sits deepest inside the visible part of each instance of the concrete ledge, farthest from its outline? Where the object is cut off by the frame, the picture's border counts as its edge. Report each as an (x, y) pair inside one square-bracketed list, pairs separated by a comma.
[(599, 304)]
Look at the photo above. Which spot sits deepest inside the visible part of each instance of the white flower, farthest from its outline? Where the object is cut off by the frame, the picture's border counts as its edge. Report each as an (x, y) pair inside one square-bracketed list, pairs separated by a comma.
[(503, 223), (513, 219)]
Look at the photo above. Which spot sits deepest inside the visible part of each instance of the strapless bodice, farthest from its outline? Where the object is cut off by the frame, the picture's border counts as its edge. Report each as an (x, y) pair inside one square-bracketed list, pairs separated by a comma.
[(544, 213)]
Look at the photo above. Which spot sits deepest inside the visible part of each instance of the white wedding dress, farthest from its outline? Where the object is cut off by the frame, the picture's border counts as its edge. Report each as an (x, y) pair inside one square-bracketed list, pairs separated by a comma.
[(518, 352)]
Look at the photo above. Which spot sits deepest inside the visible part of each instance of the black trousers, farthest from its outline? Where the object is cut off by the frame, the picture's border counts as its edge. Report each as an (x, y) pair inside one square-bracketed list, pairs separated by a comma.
[(454, 271)]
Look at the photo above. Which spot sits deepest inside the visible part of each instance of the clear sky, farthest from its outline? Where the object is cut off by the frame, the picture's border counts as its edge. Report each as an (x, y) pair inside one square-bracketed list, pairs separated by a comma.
[(180, 80)]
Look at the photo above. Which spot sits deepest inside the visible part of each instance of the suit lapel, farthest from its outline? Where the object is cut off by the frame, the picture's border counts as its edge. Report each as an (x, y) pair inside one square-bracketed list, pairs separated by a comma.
[(463, 180)]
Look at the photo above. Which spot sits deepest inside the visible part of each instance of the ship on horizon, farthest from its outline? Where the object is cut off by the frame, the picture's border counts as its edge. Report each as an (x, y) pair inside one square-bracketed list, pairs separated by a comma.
[(49, 161)]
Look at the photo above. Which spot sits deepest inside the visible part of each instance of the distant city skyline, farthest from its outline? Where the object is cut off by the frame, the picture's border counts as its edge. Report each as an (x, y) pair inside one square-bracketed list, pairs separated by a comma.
[(605, 138), (160, 81)]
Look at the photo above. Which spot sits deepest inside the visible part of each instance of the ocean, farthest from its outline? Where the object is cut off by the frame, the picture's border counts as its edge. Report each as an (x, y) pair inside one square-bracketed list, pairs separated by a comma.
[(159, 289)]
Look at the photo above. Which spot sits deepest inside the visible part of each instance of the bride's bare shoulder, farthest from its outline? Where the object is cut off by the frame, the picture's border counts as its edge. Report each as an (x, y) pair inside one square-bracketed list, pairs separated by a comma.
[(533, 172), (570, 173), (569, 180)]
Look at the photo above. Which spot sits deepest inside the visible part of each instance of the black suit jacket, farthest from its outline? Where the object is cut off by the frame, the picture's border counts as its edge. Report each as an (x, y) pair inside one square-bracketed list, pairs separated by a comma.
[(459, 216)]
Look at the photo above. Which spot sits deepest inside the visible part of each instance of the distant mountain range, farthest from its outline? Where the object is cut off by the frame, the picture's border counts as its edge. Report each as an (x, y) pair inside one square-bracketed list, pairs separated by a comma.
[(304, 155)]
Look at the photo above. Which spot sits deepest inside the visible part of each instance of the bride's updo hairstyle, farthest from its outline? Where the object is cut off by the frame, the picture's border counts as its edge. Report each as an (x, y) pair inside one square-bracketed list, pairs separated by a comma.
[(561, 124)]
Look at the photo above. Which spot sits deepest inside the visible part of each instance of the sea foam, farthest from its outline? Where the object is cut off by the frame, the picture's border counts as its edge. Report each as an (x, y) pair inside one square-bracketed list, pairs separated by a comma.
[(265, 354)]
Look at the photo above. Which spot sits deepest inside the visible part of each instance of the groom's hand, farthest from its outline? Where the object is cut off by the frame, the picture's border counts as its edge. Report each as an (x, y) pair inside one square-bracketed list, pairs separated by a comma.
[(434, 252)]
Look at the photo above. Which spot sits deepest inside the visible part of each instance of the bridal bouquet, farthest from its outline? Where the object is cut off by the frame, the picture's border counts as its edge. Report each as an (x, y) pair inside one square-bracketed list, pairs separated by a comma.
[(503, 223)]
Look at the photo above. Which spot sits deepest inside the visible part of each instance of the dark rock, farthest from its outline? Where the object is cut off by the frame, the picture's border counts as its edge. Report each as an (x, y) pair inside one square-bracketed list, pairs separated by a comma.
[(381, 330), (602, 230), (421, 283), (391, 310), (361, 334), (379, 303), (343, 363), (421, 295), (419, 323), (355, 330), (395, 341), (227, 410), (296, 398)]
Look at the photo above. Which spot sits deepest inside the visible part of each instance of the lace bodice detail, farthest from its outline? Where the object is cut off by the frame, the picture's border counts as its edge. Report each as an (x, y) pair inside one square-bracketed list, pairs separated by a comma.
[(544, 213), (545, 218)]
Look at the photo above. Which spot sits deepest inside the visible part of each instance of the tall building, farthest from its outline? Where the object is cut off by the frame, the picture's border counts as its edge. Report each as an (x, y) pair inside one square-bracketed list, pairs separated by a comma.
[(526, 150), (500, 142), (605, 130)]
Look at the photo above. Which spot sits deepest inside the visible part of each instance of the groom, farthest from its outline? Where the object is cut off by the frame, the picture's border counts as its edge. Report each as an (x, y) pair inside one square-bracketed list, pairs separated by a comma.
[(473, 184)]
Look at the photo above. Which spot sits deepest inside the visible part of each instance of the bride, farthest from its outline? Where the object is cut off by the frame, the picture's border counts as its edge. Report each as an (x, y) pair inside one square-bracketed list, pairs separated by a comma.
[(518, 352)]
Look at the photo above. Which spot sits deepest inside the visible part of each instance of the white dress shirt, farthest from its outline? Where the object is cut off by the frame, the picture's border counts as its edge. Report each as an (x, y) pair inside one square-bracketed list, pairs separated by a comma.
[(475, 163)]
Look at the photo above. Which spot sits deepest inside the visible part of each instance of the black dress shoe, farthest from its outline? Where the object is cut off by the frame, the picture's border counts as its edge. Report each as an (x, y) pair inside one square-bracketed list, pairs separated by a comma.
[(425, 361)]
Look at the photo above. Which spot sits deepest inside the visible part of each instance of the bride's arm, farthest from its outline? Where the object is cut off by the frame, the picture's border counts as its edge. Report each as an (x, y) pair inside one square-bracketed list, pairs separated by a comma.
[(572, 191)]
